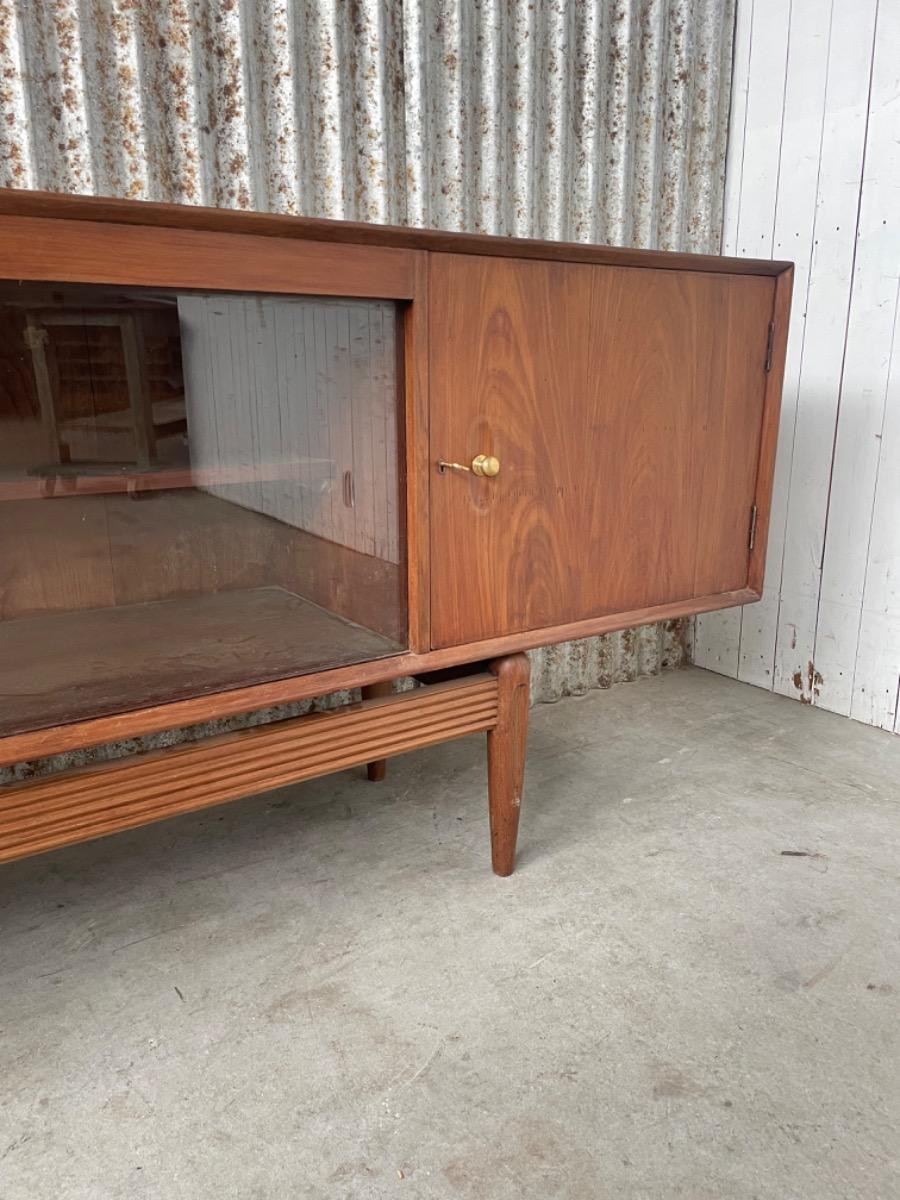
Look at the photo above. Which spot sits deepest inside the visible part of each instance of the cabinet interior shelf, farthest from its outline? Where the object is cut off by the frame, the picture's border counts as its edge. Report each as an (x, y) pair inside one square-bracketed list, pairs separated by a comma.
[(69, 666)]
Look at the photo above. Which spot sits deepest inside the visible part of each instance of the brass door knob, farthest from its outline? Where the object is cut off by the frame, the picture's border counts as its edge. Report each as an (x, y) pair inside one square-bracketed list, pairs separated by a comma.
[(482, 464), (486, 464)]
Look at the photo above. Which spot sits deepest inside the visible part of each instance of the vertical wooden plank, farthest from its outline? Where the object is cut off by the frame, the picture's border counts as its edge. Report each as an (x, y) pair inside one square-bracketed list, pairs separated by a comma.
[(388, 446), (222, 399), (257, 401), (859, 443), (384, 400), (318, 385), (793, 221), (245, 432), (204, 316), (737, 123), (292, 324), (231, 417), (749, 231), (840, 171), (762, 38), (387, 405), (278, 494), (340, 417), (328, 403), (361, 398), (717, 641), (876, 683), (192, 369), (414, 440)]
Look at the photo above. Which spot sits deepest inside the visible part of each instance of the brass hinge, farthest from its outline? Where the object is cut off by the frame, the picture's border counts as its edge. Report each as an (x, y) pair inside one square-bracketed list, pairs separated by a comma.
[(753, 515), (770, 342)]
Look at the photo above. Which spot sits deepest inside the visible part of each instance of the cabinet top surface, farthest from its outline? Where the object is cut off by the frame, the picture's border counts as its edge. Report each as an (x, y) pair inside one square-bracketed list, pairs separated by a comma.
[(17, 202)]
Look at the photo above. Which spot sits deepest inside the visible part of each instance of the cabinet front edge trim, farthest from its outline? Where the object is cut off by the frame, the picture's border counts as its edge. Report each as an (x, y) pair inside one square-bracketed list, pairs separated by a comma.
[(18, 202)]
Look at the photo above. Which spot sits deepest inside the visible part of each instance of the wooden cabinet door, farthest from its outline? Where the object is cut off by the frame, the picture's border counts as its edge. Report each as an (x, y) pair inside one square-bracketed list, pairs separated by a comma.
[(625, 407)]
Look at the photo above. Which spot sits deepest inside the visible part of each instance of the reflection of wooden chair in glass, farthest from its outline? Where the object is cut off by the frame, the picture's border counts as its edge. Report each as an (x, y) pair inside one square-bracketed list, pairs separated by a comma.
[(139, 416)]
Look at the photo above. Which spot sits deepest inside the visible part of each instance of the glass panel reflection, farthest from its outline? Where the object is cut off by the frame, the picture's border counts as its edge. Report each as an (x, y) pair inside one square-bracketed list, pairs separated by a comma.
[(197, 491)]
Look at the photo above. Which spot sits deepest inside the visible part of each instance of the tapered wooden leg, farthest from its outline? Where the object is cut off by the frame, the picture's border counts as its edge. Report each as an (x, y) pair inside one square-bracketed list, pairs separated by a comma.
[(376, 770), (506, 758)]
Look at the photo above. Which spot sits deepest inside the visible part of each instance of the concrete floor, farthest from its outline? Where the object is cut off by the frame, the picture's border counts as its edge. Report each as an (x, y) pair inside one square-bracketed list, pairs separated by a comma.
[(325, 993)]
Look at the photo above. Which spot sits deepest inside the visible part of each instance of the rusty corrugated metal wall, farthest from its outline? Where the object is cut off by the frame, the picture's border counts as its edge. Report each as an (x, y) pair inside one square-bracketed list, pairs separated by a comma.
[(574, 119)]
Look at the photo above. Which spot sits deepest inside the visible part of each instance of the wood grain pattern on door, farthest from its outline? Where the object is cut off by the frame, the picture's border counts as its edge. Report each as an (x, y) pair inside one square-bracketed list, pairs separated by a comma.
[(625, 407)]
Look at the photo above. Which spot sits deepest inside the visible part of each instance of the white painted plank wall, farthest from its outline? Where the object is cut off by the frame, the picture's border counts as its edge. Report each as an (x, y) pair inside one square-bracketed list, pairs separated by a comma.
[(813, 175), (274, 380)]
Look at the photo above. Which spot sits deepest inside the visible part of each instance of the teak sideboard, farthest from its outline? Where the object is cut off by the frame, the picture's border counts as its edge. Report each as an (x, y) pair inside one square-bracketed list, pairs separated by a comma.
[(249, 459)]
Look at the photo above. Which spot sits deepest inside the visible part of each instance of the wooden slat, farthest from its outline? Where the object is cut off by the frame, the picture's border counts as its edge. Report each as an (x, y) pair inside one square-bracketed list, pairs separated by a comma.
[(791, 215), (753, 169), (857, 553), (85, 806), (829, 295), (77, 805)]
